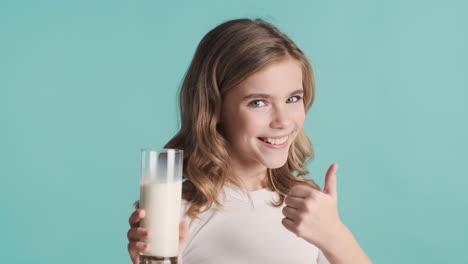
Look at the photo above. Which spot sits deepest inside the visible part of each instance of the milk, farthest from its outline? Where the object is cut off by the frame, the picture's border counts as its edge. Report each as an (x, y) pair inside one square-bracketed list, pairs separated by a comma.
[(161, 202)]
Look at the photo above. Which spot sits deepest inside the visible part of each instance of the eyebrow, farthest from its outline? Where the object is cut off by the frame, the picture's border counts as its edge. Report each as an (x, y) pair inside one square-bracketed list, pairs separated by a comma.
[(266, 96)]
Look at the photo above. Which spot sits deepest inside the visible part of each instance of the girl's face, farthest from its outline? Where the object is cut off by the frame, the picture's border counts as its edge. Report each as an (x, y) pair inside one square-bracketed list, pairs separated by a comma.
[(261, 117)]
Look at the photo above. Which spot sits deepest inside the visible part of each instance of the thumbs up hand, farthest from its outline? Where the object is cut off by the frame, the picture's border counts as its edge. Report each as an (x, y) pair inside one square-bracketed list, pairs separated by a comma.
[(312, 214)]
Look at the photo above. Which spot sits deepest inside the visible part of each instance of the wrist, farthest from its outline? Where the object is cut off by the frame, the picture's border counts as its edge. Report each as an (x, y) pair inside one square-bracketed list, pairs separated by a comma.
[(343, 248), (339, 236)]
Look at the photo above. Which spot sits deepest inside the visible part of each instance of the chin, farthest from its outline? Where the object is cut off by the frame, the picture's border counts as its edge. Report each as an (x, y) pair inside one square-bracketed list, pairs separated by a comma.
[(275, 163)]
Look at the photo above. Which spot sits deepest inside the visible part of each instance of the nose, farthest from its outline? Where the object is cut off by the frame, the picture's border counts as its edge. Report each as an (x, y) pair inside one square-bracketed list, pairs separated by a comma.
[(280, 118)]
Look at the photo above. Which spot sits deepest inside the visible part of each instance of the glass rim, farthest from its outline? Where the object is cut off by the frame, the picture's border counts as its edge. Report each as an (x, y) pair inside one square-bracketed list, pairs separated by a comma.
[(161, 150)]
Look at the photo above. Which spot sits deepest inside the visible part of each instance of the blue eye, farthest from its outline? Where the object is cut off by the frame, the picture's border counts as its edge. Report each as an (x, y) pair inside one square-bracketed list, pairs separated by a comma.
[(297, 98), (257, 103)]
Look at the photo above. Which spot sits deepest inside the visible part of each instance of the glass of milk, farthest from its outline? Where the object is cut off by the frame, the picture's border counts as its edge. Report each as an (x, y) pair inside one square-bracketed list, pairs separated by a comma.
[(160, 197)]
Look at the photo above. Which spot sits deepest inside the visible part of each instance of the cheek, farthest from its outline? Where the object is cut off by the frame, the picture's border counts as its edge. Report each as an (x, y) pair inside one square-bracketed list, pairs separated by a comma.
[(241, 126), (301, 119), (299, 115), (250, 123)]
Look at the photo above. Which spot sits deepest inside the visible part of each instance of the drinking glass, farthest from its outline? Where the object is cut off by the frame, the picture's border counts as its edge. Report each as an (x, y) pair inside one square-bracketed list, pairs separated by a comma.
[(160, 197)]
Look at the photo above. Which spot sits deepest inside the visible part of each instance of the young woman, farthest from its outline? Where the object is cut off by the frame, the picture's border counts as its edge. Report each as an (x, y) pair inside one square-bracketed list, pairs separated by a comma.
[(243, 104)]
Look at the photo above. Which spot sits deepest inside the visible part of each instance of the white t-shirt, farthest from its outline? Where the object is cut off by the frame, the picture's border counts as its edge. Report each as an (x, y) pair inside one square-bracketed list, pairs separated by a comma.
[(245, 232)]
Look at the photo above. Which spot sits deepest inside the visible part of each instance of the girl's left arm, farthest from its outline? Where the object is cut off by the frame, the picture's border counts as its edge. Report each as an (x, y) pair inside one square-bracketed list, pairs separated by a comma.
[(313, 216)]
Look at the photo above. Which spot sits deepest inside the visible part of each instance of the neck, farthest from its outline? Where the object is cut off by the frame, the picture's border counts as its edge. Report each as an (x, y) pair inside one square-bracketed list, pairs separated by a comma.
[(253, 176)]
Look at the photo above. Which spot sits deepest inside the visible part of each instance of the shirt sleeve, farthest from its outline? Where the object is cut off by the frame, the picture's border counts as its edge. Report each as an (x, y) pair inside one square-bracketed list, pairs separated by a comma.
[(321, 259)]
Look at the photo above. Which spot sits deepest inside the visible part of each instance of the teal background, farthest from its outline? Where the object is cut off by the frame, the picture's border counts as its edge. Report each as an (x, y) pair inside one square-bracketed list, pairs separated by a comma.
[(86, 84)]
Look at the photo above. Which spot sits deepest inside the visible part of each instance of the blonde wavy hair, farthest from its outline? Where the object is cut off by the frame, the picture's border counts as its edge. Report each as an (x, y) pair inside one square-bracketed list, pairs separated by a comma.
[(224, 58)]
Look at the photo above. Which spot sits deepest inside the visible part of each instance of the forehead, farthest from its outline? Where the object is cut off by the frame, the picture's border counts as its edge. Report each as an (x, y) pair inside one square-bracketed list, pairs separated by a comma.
[(275, 79)]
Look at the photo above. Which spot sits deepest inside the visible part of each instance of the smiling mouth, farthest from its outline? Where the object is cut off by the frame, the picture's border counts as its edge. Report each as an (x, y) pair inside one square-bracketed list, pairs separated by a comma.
[(274, 141)]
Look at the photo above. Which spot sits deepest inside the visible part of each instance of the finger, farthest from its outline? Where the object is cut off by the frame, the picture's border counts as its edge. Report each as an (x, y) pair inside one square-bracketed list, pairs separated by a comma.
[(134, 249), (290, 213), (136, 217), (289, 224), (330, 181), (301, 191), (294, 202), (133, 252), (183, 236), (183, 230), (138, 234)]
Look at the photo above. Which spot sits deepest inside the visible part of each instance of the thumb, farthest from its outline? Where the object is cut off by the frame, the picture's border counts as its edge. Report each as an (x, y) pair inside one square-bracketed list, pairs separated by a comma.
[(183, 235), (330, 181)]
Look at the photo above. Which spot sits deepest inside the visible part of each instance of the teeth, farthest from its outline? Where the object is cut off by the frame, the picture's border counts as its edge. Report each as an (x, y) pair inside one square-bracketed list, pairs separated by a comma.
[(278, 141)]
